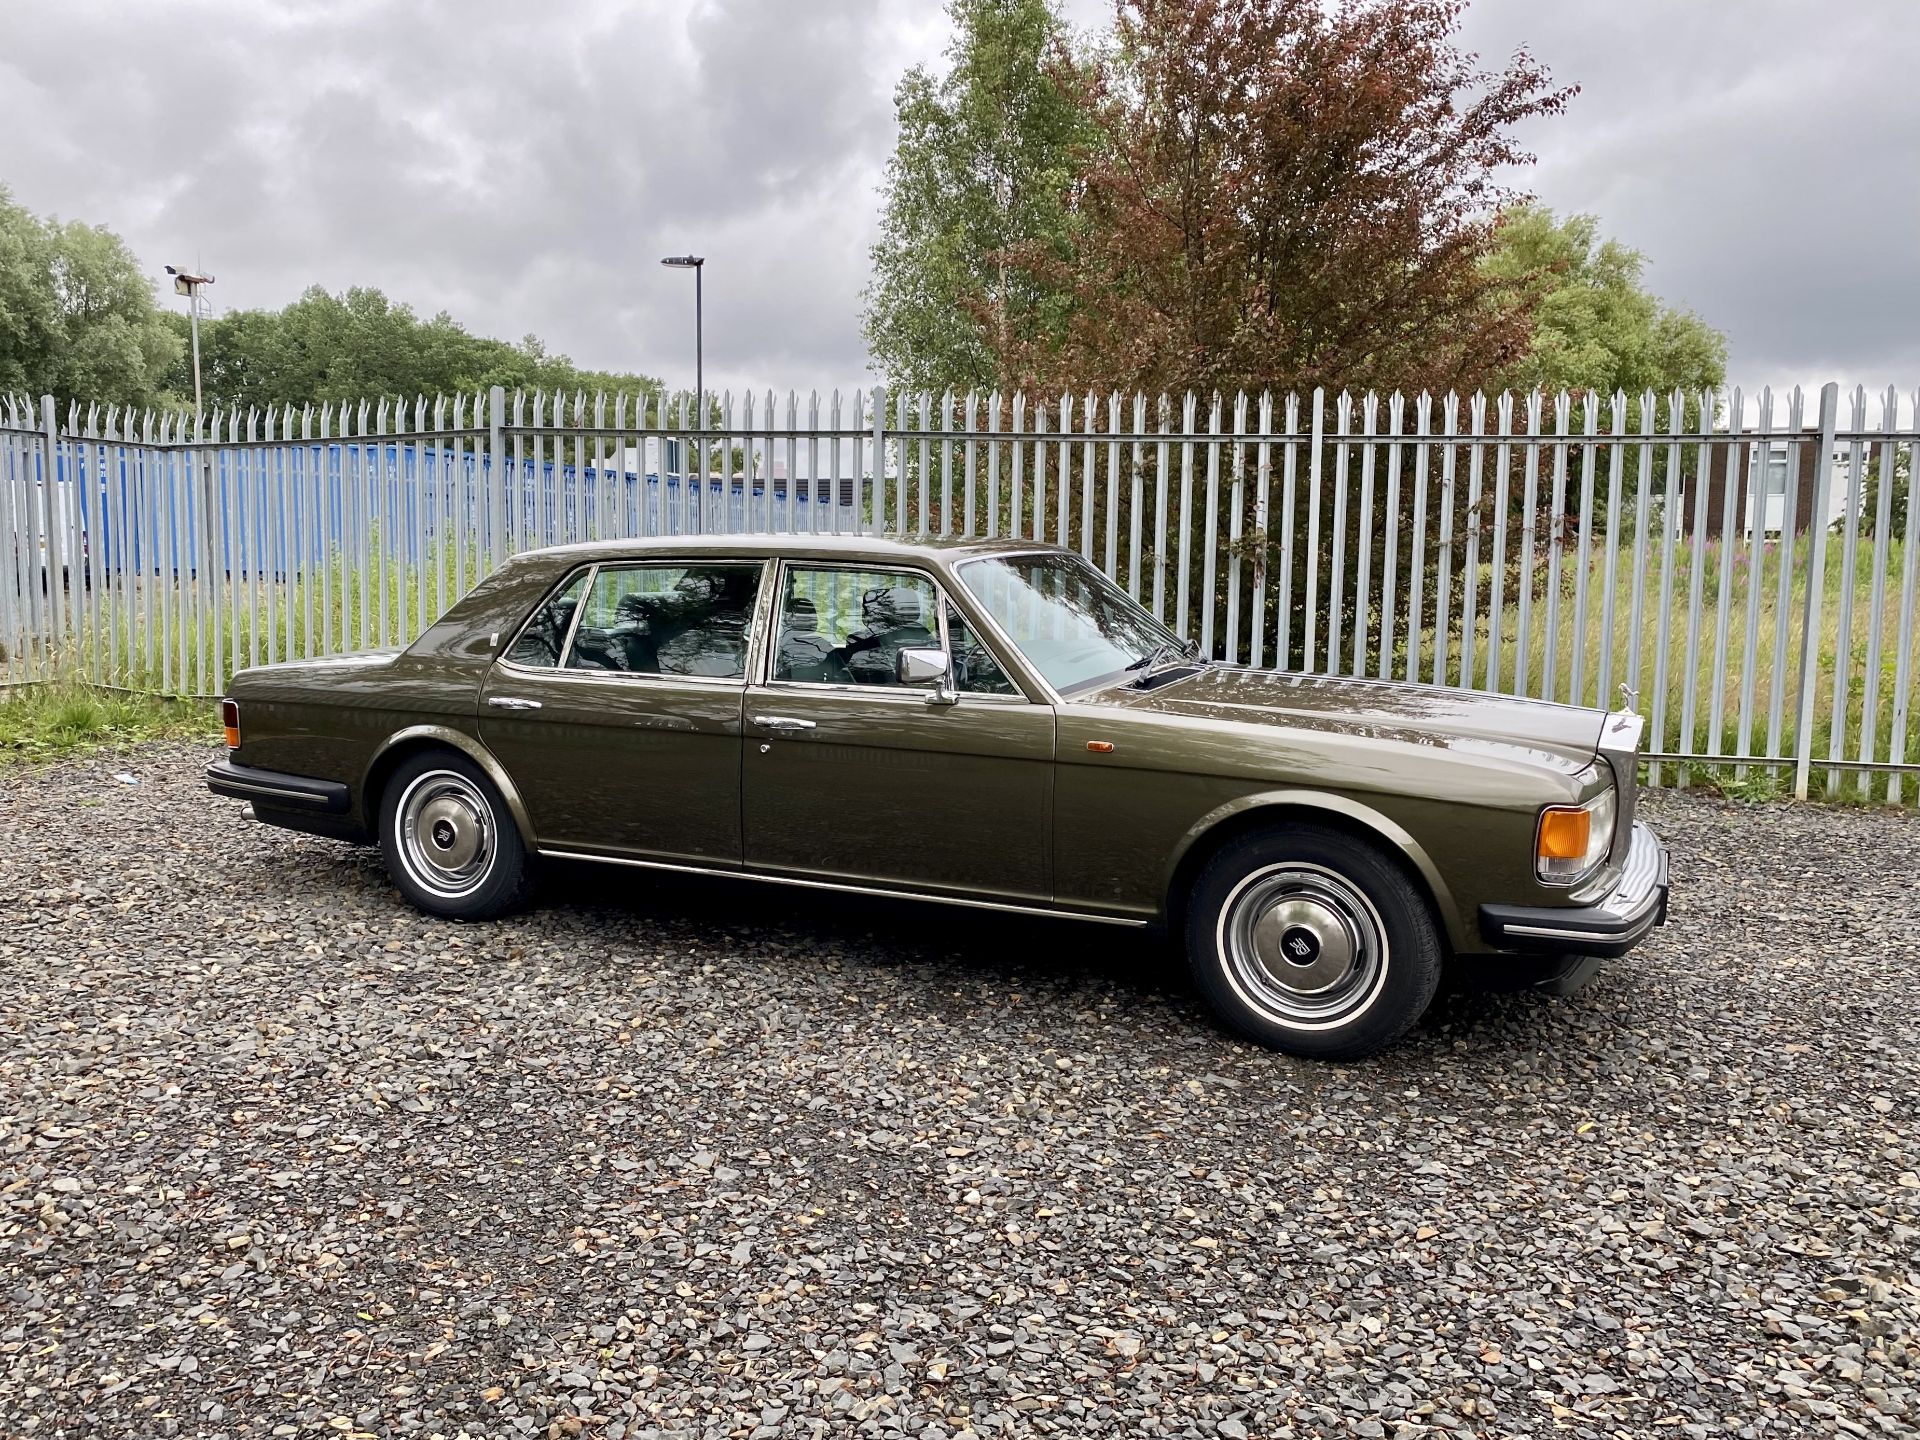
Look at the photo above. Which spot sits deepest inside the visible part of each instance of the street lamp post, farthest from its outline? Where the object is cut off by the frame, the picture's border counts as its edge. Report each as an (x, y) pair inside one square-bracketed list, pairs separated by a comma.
[(189, 285), (697, 264)]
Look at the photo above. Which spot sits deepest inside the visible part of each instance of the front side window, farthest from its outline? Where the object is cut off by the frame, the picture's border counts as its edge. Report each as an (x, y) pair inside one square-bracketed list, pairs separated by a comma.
[(690, 620), (541, 638), (848, 627), (1075, 626), (975, 671)]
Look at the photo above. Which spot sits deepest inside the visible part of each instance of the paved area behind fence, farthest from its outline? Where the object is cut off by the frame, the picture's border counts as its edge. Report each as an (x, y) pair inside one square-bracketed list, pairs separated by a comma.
[(281, 1156)]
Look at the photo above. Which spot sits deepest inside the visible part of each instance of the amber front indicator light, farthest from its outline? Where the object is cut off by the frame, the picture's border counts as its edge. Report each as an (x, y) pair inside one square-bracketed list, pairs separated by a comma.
[(1563, 834), (230, 722), (1573, 840)]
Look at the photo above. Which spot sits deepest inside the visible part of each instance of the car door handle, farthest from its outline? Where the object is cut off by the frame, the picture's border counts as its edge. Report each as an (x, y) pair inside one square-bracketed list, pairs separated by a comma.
[(782, 724), (512, 702)]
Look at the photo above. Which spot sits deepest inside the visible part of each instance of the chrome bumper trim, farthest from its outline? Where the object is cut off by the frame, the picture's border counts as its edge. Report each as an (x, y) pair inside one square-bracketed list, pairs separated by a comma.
[(1609, 927), (277, 790)]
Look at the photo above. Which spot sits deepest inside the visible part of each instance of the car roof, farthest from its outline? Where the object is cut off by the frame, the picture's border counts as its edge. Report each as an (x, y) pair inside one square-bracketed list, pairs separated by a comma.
[(867, 548)]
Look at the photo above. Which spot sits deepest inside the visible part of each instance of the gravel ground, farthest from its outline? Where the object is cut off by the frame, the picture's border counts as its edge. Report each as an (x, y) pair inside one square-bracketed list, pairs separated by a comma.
[(281, 1156)]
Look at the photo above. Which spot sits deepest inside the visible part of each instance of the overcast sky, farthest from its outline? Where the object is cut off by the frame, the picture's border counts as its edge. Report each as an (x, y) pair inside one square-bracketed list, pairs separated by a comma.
[(524, 166)]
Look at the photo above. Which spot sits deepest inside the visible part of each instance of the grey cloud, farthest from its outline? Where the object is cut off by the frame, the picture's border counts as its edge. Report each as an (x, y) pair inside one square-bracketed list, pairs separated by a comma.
[(524, 166), (1760, 154)]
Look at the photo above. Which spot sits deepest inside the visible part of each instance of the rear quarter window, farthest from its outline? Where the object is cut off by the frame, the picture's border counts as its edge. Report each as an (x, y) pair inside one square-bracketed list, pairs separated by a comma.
[(545, 632)]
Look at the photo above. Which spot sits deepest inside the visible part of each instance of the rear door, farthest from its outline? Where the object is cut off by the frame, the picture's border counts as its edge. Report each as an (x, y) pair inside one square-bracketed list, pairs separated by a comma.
[(617, 709), (853, 777)]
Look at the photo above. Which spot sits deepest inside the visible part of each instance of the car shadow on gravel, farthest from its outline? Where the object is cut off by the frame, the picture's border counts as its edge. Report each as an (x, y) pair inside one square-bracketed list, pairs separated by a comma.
[(882, 933), (1070, 962), (876, 931)]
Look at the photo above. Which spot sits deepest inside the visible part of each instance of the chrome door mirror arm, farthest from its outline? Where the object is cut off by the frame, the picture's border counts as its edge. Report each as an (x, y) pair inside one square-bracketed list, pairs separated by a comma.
[(920, 665)]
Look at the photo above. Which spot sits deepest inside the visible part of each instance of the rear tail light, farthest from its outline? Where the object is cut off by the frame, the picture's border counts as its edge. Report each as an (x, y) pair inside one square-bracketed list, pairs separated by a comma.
[(230, 722)]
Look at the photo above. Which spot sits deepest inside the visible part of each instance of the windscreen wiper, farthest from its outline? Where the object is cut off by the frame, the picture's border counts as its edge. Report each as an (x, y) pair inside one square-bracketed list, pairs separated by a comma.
[(1164, 656)]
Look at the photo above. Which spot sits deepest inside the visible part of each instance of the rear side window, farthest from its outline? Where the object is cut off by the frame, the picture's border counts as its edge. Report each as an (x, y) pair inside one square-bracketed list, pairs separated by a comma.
[(690, 620), (545, 632)]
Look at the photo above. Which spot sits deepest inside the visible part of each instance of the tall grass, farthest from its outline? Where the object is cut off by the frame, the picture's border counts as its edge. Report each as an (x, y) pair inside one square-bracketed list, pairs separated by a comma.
[(45, 722), (1705, 693), (1736, 693), (155, 634)]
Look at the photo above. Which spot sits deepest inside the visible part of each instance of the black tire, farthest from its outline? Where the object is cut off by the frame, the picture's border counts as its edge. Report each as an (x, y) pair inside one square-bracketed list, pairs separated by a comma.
[(1310, 940), (449, 840)]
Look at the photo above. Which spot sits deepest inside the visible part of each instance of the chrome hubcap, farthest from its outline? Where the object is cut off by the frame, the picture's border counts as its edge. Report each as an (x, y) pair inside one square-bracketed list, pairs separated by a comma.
[(1303, 945), (445, 829)]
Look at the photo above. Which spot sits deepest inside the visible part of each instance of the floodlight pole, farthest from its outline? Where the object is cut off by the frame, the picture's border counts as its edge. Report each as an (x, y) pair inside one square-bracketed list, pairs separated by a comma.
[(193, 324), (188, 284)]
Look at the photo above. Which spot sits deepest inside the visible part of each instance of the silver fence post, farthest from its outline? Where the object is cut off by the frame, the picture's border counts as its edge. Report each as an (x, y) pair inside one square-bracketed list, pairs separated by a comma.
[(1816, 581), (878, 498), (10, 527), (56, 582), (496, 482), (1313, 527)]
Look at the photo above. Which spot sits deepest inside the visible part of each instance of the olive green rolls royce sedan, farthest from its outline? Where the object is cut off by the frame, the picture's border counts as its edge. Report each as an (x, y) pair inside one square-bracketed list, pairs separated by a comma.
[(987, 723)]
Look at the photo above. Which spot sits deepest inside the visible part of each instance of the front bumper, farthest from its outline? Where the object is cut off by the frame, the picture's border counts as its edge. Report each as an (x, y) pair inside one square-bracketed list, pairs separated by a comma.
[(1610, 927)]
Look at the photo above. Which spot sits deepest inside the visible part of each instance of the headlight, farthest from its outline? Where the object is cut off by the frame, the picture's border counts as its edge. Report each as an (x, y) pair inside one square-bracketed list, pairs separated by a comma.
[(1573, 840)]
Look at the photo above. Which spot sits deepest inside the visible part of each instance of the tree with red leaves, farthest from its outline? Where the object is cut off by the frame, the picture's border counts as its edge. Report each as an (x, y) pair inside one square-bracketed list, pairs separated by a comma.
[(1285, 193)]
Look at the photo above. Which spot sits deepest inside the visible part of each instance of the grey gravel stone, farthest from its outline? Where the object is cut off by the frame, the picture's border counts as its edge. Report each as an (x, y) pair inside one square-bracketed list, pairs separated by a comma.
[(684, 1159)]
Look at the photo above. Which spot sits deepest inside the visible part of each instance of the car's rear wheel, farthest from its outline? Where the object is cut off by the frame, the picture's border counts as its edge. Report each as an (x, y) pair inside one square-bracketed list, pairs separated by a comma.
[(449, 841), (1310, 940)]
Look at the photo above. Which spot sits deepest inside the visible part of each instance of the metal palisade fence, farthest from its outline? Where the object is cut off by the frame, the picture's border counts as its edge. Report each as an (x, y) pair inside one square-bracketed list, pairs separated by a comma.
[(1743, 566)]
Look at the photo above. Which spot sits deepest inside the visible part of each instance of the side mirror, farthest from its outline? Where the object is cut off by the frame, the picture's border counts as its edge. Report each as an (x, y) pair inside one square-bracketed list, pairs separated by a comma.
[(922, 666)]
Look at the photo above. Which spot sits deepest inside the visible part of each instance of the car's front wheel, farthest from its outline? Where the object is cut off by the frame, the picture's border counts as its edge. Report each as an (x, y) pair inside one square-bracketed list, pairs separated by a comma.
[(449, 841), (1310, 940)]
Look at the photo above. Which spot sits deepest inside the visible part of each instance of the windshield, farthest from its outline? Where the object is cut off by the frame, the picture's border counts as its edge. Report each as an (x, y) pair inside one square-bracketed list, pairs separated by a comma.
[(1075, 626)]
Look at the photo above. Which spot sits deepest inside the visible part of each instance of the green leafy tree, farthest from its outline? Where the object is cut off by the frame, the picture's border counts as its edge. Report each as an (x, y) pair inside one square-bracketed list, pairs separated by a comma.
[(985, 159), (1596, 327), (325, 347), (1898, 498), (1283, 194), (77, 316)]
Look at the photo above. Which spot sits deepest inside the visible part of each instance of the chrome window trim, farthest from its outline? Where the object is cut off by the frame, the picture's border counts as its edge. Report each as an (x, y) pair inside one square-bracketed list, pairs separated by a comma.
[(990, 626), (1007, 670), (766, 619), (904, 694), (573, 624), (501, 652), (934, 896), (633, 677), (592, 570), (942, 598)]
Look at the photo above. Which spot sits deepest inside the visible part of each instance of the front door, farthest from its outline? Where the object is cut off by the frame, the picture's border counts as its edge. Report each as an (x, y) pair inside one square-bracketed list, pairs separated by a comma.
[(617, 710), (851, 776)]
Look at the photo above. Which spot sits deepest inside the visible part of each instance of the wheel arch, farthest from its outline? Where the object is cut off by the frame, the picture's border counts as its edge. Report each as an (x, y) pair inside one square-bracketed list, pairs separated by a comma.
[(1269, 810), (417, 738)]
